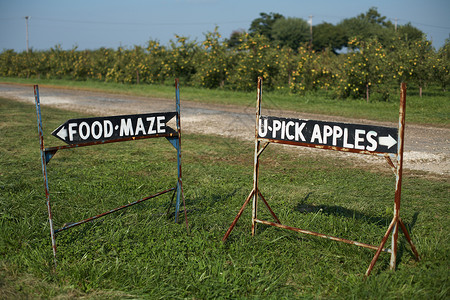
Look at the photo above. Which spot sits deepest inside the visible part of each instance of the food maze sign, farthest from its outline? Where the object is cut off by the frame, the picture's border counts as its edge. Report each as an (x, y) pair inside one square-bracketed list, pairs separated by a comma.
[(80, 131)]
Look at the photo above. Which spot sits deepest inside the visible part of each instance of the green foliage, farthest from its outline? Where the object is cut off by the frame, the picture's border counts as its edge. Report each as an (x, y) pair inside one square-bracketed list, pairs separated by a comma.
[(413, 62), (255, 57), (213, 63), (441, 66), (263, 25), (306, 75), (328, 36), (290, 32), (365, 70), (410, 33), (367, 26)]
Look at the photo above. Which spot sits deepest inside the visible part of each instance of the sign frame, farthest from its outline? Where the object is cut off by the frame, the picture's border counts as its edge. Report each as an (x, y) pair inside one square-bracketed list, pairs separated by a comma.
[(396, 168), (173, 136)]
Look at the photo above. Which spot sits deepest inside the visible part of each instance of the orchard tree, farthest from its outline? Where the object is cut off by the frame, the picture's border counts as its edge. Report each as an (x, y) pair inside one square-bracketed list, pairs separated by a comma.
[(102, 59), (412, 62), (213, 62), (306, 75), (135, 66), (255, 57), (235, 38), (156, 62), (441, 65), (180, 59), (365, 70)]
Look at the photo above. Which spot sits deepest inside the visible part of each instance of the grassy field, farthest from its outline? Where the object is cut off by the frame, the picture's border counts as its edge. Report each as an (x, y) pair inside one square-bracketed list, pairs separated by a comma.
[(432, 109), (141, 253)]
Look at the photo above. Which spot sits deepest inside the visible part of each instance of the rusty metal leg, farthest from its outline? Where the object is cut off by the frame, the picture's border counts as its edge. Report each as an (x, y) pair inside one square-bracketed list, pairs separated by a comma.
[(408, 238), (393, 261), (178, 147), (171, 200), (256, 157), (270, 209), (237, 216), (399, 174), (391, 164), (44, 169), (380, 248), (254, 212), (177, 204)]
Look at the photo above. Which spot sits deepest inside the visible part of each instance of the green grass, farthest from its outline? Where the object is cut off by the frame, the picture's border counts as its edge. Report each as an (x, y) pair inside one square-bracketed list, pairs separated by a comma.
[(432, 109), (140, 253)]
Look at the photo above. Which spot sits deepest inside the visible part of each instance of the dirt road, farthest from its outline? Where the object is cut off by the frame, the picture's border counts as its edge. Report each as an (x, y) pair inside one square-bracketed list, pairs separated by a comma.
[(426, 148)]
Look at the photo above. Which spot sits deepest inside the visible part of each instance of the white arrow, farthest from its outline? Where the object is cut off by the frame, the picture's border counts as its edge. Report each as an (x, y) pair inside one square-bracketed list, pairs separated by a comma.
[(62, 133), (388, 141)]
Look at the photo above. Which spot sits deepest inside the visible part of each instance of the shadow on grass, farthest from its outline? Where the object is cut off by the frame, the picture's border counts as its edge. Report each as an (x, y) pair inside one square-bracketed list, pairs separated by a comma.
[(340, 211), (349, 213)]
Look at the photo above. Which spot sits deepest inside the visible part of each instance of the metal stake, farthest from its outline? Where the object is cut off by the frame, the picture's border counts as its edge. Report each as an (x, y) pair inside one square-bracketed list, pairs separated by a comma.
[(44, 169)]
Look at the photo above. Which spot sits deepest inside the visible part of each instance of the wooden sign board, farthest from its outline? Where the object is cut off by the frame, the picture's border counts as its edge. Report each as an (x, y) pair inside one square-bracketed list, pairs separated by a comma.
[(87, 130), (340, 135)]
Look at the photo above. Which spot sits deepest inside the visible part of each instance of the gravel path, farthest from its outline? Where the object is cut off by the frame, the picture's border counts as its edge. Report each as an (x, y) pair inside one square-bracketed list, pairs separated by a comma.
[(426, 148)]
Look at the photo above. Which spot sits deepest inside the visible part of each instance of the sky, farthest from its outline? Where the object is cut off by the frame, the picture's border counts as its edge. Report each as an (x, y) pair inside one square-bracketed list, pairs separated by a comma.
[(112, 23)]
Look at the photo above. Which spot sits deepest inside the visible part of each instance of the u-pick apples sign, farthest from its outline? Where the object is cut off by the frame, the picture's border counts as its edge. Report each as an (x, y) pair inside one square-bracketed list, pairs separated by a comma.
[(341, 135), (81, 131)]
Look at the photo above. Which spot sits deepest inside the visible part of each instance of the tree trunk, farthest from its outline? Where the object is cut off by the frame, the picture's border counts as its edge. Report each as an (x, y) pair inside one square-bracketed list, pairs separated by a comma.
[(420, 91), (367, 93)]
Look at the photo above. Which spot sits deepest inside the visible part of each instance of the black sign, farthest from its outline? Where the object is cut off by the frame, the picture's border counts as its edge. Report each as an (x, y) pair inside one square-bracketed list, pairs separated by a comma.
[(79, 131), (341, 135)]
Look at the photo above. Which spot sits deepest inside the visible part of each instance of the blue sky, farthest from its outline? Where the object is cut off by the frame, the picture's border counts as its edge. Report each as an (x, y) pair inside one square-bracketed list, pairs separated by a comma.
[(111, 23)]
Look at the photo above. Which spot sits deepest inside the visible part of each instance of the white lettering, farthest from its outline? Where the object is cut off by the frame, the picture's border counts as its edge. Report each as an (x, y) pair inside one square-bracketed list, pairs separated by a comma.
[(327, 132), (84, 135), (107, 128), (298, 132), (72, 131), (160, 124), (263, 129), (373, 143), (99, 130), (139, 127), (276, 126), (337, 133), (151, 130), (283, 129), (316, 134), (126, 127), (346, 144), (359, 139), (288, 133)]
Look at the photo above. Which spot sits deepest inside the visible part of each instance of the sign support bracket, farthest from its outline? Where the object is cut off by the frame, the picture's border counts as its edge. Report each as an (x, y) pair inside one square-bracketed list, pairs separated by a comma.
[(398, 169), (48, 153)]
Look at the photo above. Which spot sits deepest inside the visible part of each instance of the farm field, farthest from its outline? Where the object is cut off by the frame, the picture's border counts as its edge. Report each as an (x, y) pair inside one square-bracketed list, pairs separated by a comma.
[(141, 253)]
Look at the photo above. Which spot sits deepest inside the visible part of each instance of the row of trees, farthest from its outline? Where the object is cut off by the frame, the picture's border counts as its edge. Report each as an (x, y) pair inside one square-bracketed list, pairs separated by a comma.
[(294, 32), (370, 68)]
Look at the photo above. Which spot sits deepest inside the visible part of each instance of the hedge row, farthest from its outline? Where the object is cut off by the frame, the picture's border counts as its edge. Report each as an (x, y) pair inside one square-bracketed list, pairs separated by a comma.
[(367, 68)]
